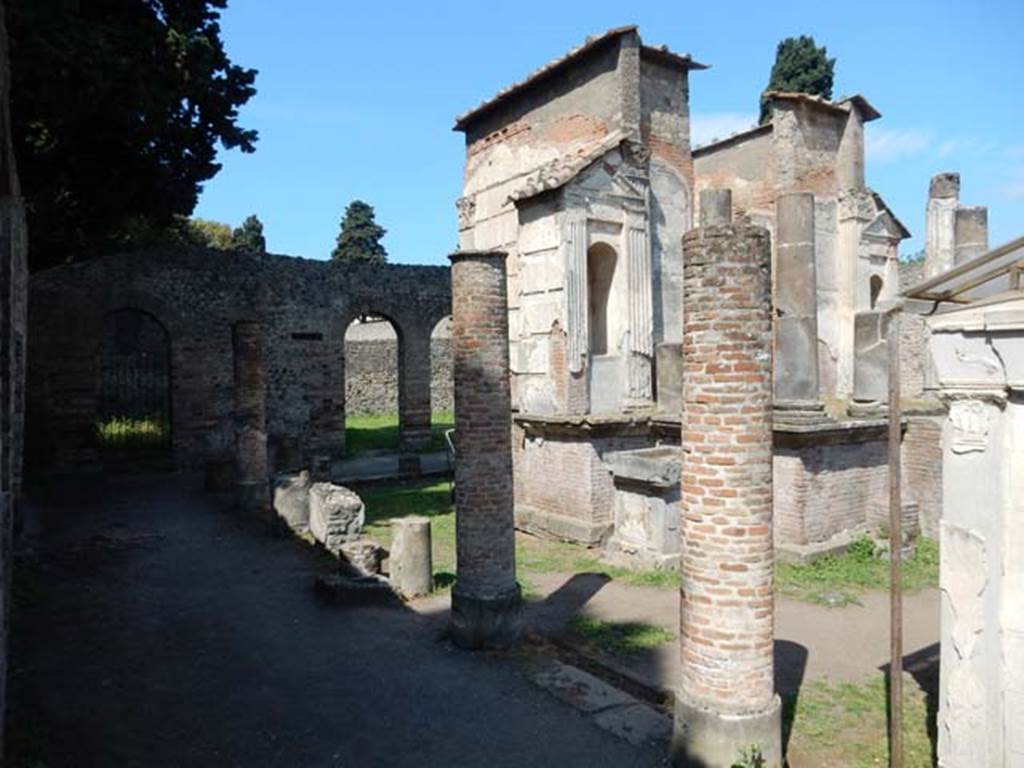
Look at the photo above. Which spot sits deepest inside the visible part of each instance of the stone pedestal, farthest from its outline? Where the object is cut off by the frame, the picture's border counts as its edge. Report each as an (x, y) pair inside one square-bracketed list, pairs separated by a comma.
[(646, 507), (412, 571), (940, 223), (291, 499), (725, 700), (486, 603)]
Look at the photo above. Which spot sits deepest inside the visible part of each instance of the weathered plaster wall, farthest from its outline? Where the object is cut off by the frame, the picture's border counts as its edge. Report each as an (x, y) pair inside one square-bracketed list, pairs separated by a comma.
[(303, 307), (745, 166)]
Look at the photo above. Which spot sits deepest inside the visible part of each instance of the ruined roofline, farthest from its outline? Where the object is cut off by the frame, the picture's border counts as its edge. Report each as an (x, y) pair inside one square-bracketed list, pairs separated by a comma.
[(463, 121), (883, 206), (845, 104), (749, 133)]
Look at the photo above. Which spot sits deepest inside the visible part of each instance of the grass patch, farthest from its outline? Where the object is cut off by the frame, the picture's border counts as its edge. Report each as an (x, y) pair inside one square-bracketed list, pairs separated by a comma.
[(533, 555), (845, 725), (838, 579), (126, 433), (379, 432), (619, 637)]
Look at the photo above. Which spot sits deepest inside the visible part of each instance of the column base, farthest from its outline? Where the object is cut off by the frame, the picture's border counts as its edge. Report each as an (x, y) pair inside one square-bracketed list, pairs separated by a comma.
[(477, 622), (703, 738)]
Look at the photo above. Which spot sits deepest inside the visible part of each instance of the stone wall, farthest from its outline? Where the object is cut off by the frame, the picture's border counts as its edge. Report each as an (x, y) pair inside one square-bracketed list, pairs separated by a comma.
[(303, 307), (371, 370), (13, 328)]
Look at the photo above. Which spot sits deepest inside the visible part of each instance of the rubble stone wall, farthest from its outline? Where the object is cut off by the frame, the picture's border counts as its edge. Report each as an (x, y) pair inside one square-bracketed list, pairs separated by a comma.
[(303, 307)]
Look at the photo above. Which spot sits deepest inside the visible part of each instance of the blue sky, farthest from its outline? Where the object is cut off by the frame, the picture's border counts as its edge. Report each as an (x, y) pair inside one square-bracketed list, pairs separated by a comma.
[(357, 100)]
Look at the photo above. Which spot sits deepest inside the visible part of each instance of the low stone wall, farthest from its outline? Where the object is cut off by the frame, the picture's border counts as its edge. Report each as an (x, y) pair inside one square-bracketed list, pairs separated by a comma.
[(827, 485)]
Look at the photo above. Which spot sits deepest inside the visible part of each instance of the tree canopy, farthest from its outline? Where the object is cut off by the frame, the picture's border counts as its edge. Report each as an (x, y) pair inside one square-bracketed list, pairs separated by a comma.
[(249, 237), (800, 67), (118, 107), (360, 235)]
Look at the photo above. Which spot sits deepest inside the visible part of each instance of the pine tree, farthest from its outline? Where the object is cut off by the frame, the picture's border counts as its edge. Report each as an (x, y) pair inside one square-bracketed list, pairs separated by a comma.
[(800, 67), (249, 237), (359, 238)]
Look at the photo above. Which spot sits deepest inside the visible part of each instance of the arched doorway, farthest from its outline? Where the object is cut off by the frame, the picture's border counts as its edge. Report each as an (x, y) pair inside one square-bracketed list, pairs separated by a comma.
[(372, 386), (135, 387)]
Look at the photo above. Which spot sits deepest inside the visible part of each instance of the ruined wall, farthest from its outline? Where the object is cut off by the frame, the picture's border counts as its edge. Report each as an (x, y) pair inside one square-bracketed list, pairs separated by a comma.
[(826, 487), (546, 504), (303, 307), (743, 165), (554, 118), (371, 376)]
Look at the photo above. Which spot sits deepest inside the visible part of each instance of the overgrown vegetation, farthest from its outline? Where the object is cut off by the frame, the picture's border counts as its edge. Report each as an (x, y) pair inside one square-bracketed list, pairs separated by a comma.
[(128, 434), (619, 637), (845, 725), (379, 432), (838, 579)]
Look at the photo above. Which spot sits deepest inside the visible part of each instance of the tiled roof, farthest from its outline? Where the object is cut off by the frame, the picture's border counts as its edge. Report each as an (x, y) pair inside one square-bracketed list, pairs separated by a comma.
[(589, 44), (563, 169)]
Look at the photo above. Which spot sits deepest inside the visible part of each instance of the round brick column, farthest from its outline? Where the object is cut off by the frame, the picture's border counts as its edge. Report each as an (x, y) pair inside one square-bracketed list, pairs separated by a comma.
[(725, 700), (486, 604), (250, 419)]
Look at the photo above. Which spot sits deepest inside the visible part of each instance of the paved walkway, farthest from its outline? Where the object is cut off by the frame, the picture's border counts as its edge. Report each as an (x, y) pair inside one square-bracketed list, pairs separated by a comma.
[(152, 628), (387, 467)]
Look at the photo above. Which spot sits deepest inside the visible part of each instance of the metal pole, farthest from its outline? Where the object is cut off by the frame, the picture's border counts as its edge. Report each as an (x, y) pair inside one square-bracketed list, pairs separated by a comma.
[(895, 550)]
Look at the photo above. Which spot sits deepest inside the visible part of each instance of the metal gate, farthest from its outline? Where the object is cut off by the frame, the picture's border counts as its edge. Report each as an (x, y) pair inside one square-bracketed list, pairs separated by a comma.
[(135, 391)]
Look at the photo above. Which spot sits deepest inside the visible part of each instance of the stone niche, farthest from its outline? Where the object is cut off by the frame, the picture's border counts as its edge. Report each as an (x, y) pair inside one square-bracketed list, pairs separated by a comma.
[(646, 507)]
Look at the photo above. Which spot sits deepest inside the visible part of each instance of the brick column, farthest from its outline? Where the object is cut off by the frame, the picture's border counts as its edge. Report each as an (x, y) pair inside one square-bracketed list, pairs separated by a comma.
[(486, 604), (725, 699), (250, 419)]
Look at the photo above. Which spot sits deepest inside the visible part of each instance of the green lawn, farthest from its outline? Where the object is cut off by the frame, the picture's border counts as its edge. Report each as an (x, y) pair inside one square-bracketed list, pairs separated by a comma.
[(378, 433), (839, 578)]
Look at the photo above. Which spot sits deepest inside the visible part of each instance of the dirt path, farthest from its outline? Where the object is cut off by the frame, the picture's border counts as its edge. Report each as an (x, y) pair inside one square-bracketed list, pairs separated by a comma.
[(812, 641), (152, 628)]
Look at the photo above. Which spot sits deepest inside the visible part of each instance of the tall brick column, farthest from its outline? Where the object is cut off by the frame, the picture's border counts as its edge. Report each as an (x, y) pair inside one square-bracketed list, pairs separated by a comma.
[(486, 604), (725, 699), (250, 419)]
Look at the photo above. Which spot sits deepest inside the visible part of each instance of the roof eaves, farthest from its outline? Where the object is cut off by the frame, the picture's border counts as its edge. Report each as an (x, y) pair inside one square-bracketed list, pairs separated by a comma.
[(463, 120)]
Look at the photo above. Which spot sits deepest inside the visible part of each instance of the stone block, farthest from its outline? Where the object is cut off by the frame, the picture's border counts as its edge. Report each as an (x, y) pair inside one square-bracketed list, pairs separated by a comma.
[(363, 555), (291, 499), (871, 357), (336, 515)]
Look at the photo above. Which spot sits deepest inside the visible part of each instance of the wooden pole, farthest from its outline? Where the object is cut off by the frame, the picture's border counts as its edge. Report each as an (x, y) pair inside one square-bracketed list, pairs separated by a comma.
[(895, 549)]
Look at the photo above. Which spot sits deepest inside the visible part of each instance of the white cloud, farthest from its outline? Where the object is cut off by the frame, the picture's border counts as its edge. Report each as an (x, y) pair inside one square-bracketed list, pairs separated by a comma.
[(1014, 188), (718, 125), (886, 145), (960, 147)]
